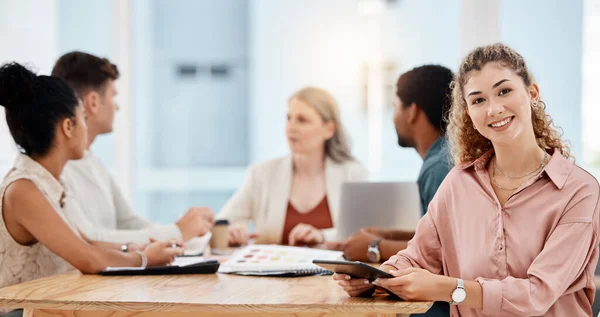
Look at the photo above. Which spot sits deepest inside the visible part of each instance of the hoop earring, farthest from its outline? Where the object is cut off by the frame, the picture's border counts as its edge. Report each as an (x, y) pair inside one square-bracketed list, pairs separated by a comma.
[(534, 104)]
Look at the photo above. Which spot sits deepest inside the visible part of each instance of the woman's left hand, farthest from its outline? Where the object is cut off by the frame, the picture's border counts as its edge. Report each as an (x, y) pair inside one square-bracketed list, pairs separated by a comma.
[(415, 284), (303, 234)]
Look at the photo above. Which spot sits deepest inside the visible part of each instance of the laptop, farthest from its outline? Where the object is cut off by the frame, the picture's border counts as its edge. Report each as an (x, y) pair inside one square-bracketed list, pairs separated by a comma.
[(386, 205)]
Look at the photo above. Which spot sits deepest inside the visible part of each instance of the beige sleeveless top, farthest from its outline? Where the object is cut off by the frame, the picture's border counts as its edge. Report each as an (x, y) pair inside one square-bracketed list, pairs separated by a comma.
[(20, 263)]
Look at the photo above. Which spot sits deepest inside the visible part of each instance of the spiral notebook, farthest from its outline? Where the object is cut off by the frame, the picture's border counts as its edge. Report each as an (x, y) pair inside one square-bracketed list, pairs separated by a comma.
[(276, 260)]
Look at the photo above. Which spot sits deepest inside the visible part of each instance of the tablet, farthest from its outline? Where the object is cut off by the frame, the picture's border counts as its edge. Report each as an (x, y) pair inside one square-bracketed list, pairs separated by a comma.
[(357, 270), (353, 268)]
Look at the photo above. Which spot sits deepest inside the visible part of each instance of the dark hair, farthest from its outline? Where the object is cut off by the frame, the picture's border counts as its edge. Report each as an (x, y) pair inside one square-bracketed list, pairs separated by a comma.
[(34, 106), (85, 72), (427, 86)]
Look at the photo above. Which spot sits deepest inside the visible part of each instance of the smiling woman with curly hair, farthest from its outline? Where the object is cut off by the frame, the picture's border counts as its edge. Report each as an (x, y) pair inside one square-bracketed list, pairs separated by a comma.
[(467, 144), (513, 229)]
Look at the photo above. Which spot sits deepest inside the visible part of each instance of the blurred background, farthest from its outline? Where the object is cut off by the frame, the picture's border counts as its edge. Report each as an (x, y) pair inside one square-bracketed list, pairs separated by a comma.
[(205, 83)]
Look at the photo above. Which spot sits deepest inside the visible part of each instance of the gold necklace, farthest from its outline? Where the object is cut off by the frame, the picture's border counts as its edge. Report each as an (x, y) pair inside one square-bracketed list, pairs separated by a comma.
[(526, 174), (544, 162)]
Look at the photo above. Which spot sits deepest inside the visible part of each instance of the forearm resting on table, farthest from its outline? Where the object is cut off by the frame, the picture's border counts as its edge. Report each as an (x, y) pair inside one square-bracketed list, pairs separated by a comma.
[(105, 254), (106, 245), (99, 258), (398, 235), (389, 248)]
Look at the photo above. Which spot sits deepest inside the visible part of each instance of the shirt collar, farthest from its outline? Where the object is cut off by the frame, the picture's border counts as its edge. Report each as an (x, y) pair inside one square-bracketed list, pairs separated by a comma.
[(558, 167), (52, 187), (478, 163)]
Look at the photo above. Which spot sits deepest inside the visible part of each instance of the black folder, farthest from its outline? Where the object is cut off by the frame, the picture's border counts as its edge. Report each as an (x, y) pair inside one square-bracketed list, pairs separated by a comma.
[(204, 267)]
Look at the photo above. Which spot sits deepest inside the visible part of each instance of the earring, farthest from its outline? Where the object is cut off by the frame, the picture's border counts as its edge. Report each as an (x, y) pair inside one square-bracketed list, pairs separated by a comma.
[(534, 103), (474, 127)]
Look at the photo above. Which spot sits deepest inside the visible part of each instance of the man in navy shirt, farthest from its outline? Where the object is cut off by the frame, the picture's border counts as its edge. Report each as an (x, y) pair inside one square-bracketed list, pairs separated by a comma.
[(421, 103)]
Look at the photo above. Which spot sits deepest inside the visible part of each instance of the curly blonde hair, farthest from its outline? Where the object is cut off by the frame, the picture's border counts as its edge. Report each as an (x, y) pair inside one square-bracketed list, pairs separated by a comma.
[(466, 143)]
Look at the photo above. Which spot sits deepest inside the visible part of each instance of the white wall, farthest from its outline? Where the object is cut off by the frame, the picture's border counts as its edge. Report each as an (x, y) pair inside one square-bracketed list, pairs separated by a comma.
[(38, 32), (310, 42), (191, 140), (591, 81), (29, 31), (417, 33), (86, 25), (297, 43), (548, 33)]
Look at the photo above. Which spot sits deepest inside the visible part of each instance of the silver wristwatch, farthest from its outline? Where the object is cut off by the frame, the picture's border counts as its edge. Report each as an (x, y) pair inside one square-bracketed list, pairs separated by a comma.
[(459, 294), (373, 253), (125, 247)]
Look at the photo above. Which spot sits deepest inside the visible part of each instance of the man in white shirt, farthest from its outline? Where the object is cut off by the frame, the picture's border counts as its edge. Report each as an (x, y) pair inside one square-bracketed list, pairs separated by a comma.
[(97, 206)]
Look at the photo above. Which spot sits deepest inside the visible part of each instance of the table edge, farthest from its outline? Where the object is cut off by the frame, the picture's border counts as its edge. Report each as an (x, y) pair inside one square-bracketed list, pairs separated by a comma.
[(224, 308)]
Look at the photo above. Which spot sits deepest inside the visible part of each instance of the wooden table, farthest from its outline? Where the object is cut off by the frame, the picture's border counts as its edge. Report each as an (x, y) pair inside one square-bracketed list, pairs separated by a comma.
[(220, 295)]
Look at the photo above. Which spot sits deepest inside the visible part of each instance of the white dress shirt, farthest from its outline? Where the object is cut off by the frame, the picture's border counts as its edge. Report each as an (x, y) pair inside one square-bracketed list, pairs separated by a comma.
[(97, 207)]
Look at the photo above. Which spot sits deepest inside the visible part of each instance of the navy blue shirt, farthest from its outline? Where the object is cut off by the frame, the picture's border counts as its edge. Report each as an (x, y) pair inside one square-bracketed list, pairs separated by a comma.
[(436, 166)]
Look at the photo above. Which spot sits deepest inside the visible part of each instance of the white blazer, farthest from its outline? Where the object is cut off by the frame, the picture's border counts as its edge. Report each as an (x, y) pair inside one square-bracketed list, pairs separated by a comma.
[(264, 196)]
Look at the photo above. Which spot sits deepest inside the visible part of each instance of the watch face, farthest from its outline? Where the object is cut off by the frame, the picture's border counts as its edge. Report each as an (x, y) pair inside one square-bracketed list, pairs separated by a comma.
[(459, 295), (373, 255)]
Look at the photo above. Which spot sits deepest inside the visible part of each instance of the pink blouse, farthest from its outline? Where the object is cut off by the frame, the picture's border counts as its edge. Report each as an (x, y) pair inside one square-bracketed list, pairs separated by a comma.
[(534, 256)]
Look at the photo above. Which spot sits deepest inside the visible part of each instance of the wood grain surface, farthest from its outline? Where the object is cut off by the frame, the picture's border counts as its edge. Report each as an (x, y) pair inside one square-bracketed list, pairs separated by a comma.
[(214, 294)]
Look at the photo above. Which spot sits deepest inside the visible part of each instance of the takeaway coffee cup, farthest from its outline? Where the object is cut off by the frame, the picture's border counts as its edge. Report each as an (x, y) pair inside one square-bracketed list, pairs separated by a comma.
[(220, 237)]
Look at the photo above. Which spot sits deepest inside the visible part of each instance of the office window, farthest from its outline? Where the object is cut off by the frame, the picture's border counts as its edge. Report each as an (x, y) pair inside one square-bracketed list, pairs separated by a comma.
[(190, 104)]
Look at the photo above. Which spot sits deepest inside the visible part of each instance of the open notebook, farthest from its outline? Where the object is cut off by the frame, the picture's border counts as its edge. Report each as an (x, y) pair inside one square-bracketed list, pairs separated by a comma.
[(275, 260)]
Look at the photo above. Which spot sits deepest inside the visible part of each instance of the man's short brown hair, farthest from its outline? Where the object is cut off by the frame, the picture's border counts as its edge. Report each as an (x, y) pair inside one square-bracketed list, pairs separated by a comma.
[(85, 72)]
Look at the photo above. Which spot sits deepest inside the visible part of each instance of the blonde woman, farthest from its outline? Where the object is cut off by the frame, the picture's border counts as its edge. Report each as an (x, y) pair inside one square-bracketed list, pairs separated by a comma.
[(513, 229), (295, 199)]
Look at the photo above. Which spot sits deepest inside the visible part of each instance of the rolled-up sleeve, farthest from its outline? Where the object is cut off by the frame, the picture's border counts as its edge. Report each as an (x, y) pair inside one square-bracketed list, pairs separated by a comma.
[(423, 251), (561, 263)]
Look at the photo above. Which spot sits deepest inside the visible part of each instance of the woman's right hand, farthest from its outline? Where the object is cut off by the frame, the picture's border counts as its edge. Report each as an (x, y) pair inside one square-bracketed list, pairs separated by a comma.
[(239, 235), (162, 252), (354, 287)]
